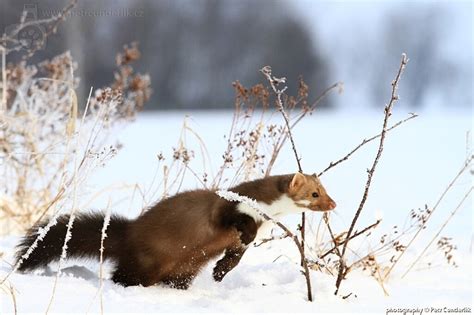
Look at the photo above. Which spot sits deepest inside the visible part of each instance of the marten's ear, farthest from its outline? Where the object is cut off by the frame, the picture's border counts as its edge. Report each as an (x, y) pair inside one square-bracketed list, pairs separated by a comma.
[(297, 181)]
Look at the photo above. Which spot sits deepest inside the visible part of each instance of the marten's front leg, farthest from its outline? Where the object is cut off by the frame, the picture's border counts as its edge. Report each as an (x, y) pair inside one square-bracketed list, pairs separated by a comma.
[(228, 262), (246, 226)]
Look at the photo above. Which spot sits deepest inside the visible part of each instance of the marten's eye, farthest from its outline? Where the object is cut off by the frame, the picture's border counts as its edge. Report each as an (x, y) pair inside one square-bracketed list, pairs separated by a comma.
[(315, 195)]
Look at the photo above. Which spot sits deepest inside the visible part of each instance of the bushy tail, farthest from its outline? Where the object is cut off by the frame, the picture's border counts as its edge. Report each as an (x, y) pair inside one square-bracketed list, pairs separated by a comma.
[(84, 243)]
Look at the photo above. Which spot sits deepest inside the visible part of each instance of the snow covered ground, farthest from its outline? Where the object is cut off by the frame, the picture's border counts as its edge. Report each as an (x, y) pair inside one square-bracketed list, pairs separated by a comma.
[(419, 160)]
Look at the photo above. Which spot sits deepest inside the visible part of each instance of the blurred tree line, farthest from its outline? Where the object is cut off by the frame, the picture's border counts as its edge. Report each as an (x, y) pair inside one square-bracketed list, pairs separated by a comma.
[(193, 50)]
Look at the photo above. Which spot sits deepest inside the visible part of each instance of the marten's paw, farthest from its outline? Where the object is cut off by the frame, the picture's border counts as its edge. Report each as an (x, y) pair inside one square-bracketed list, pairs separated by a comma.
[(179, 282), (228, 262), (218, 274)]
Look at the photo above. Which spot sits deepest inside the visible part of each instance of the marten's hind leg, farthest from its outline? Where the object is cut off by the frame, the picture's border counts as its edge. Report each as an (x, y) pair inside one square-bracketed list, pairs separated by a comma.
[(126, 277), (182, 281), (131, 274), (230, 260)]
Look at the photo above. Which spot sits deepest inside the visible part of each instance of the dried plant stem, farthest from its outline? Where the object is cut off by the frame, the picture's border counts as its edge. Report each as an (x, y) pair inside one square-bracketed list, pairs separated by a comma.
[(364, 142), (337, 85), (422, 226), (439, 231), (12, 290), (9, 289), (101, 258), (270, 239), (357, 233), (231, 196), (64, 184), (284, 136), (388, 109), (333, 238), (267, 72), (74, 197), (220, 174), (274, 81)]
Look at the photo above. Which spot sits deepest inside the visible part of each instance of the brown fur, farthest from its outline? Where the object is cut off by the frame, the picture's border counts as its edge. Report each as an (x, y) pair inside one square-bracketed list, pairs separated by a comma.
[(174, 239)]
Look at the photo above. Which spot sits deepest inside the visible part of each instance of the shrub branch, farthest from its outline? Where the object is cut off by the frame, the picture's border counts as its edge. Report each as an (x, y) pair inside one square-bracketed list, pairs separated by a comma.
[(388, 110)]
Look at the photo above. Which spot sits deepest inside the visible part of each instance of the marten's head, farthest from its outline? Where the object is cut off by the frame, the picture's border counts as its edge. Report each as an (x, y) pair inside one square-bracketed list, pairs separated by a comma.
[(308, 192)]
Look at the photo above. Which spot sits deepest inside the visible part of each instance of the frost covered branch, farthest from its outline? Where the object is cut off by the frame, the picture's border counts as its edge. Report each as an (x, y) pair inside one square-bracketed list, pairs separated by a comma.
[(103, 235), (234, 197), (41, 234), (274, 82)]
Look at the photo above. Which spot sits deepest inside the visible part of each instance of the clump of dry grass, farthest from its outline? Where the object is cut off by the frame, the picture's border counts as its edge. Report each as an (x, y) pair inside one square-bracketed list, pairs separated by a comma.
[(39, 136)]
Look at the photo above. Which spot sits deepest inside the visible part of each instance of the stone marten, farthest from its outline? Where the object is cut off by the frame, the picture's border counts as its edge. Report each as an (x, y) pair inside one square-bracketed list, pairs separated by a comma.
[(175, 238)]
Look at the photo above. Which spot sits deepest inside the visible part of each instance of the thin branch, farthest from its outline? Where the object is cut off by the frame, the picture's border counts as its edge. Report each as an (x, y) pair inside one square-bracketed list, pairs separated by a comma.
[(364, 142), (357, 233), (326, 221), (274, 82), (388, 109), (270, 239), (75, 184), (284, 136), (101, 257)]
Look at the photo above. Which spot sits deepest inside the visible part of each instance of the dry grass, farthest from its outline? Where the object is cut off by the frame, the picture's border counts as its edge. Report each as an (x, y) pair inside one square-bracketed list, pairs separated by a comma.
[(43, 155)]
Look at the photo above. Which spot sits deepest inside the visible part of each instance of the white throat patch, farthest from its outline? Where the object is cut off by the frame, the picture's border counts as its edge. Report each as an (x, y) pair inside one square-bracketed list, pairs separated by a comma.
[(281, 206)]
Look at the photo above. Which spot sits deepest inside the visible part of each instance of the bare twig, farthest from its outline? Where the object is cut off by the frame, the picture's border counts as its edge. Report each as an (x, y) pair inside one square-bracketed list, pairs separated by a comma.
[(8, 288), (364, 142), (388, 109), (357, 233), (333, 238), (270, 239)]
